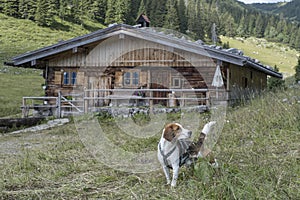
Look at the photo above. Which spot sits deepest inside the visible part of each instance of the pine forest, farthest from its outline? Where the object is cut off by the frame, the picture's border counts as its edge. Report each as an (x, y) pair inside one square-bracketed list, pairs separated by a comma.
[(192, 17)]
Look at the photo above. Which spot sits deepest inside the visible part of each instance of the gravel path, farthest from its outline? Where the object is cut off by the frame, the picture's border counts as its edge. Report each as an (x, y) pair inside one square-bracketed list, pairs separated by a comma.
[(49, 124)]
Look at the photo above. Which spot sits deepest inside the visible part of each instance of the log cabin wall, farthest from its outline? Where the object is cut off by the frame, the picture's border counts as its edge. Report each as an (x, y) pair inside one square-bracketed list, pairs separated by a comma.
[(102, 65), (245, 81)]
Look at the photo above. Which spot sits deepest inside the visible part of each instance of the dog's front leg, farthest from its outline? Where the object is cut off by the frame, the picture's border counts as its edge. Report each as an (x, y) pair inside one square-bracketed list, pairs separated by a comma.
[(175, 175), (167, 174)]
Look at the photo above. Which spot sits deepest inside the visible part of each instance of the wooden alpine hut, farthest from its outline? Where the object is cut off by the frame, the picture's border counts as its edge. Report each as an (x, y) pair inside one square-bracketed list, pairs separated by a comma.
[(126, 65)]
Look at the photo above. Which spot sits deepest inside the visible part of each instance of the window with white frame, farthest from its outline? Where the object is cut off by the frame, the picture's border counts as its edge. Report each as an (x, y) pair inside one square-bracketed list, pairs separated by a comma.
[(69, 77), (176, 82), (131, 78)]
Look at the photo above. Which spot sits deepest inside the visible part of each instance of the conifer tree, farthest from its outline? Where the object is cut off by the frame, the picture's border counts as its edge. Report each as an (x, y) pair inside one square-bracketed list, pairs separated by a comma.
[(62, 11), (275, 83), (117, 11), (75, 11), (110, 12), (85, 10), (1, 6), (195, 26), (259, 26), (241, 27), (123, 11), (251, 24), (133, 11), (45, 12), (98, 10), (297, 74), (142, 8), (27, 9), (182, 16), (297, 39), (157, 12), (52, 9), (11, 8), (41, 10), (194, 17), (171, 19), (214, 36), (23, 8)]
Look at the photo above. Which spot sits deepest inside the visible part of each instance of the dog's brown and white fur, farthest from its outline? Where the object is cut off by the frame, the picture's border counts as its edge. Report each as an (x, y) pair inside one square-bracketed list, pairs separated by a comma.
[(169, 149)]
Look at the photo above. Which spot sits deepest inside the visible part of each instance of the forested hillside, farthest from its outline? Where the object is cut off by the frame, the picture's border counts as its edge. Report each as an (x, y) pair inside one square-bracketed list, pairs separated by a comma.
[(193, 17), (290, 10)]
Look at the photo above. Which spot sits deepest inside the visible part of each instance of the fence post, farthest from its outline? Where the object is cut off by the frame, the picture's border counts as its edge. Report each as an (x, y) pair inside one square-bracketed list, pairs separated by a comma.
[(24, 108), (207, 95), (85, 102), (150, 93), (58, 105)]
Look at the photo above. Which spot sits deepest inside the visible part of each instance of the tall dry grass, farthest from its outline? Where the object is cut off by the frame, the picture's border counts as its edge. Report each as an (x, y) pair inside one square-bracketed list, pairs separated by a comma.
[(258, 154)]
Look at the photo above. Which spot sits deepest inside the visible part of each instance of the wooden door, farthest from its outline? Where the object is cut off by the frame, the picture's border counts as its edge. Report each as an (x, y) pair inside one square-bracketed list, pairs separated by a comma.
[(96, 84), (160, 80)]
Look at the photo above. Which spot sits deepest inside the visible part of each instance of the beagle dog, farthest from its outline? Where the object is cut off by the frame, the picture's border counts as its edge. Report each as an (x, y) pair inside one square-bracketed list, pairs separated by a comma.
[(176, 149)]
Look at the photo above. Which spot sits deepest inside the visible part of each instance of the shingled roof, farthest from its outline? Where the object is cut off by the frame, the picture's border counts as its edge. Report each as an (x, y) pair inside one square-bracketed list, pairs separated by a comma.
[(150, 34)]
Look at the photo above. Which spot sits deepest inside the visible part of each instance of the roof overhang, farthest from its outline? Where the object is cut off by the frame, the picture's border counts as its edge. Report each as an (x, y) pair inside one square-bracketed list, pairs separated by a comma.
[(143, 34), (264, 69), (65, 46), (151, 35)]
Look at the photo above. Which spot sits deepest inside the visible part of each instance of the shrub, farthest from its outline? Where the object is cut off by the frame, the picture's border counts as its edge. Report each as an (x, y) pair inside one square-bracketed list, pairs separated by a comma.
[(275, 83), (297, 69)]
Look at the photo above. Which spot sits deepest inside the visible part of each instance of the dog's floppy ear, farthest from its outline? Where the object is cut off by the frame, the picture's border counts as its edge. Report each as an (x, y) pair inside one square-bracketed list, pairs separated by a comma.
[(170, 132)]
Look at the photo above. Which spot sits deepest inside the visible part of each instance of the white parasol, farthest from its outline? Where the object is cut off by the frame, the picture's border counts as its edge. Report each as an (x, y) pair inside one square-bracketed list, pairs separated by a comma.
[(218, 80)]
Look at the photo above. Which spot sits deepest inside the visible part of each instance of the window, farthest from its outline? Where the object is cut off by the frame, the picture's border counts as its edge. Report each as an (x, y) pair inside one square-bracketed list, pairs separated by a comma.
[(245, 82), (66, 78), (70, 78), (73, 80), (135, 78), (131, 78), (176, 82), (127, 78)]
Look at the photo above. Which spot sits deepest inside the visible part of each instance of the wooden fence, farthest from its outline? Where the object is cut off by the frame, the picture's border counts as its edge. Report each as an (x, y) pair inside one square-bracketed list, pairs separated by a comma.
[(68, 104)]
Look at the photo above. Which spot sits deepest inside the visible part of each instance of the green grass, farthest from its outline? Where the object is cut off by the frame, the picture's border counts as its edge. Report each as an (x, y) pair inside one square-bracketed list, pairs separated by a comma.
[(19, 36), (267, 52), (15, 84), (258, 150), (258, 153)]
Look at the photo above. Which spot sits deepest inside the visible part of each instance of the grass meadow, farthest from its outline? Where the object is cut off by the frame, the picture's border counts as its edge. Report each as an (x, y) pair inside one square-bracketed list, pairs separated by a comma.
[(18, 36), (258, 154), (258, 150), (266, 52), (15, 84)]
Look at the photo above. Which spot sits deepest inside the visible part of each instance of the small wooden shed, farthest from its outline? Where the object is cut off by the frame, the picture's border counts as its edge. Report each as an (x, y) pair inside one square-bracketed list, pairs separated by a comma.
[(127, 65)]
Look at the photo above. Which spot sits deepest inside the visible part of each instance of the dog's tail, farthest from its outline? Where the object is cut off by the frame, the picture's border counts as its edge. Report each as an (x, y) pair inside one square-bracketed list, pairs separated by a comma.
[(207, 127), (195, 147)]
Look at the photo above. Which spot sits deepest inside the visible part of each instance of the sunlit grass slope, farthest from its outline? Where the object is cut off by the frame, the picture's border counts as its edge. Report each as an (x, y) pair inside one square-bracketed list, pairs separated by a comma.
[(267, 53), (19, 36)]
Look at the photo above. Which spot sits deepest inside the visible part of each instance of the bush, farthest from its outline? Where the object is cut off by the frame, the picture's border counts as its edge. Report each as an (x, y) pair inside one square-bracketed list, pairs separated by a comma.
[(276, 83), (297, 69)]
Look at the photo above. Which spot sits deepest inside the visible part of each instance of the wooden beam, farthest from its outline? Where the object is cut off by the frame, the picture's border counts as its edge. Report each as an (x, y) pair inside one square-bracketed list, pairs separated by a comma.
[(33, 62), (74, 49), (151, 92)]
